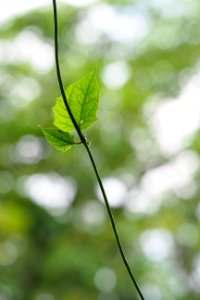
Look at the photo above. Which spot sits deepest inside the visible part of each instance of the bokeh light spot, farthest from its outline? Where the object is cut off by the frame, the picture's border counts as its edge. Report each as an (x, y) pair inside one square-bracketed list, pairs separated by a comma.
[(51, 191), (24, 91), (157, 244), (90, 217), (29, 150), (115, 190), (105, 279), (116, 74)]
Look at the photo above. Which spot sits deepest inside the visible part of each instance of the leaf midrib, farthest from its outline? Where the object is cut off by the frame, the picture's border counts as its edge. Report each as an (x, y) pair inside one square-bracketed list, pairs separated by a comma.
[(85, 97)]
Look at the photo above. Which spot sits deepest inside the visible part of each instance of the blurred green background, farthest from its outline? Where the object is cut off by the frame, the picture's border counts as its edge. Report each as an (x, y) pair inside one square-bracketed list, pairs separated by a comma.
[(56, 241)]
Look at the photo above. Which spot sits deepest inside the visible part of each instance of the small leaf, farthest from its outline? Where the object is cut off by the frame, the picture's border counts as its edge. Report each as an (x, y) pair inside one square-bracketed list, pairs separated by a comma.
[(83, 98), (59, 139)]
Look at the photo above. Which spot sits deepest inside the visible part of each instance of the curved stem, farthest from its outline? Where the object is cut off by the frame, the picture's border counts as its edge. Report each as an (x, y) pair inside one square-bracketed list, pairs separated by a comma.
[(82, 137), (113, 222), (85, 143)]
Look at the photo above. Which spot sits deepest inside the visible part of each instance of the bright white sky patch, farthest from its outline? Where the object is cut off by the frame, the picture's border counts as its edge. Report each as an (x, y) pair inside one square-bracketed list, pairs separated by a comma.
[(115, 190), (79, 2), (172, 176), (141, 202), (172, 8), (85, 33), (119, 25), (34, 50), (53, 192), (30, 48), (116, 74), (24, 91), (156, 244), (12, 8), (158, 182), (174, 121)]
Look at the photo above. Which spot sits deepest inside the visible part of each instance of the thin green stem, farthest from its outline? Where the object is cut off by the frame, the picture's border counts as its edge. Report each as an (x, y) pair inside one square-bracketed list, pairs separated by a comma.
[(113, 222), (82, 137), (85, 143)]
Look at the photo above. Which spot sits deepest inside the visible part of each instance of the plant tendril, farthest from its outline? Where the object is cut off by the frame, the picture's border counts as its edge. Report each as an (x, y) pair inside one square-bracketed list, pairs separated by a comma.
[(85, 144)]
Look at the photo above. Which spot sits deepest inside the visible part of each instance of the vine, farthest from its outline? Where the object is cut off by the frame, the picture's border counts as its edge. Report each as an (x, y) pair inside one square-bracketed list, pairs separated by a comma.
[(76, 110)]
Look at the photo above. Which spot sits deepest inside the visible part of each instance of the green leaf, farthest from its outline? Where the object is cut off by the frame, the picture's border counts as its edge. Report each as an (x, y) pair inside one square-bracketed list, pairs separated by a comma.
[(59, 139), (83, 98)]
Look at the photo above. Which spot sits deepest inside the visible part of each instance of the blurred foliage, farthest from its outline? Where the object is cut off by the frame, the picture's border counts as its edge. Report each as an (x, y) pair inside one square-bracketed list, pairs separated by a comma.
[(66, 249)]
